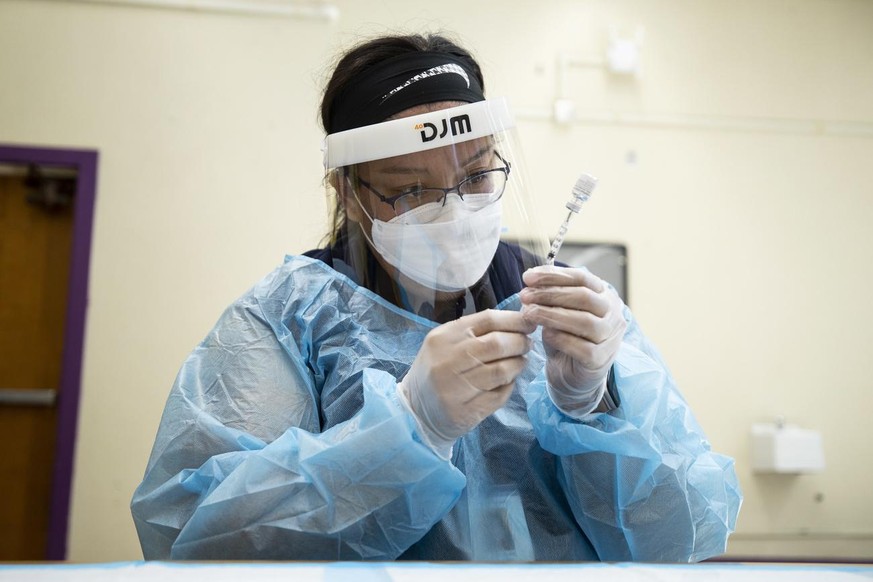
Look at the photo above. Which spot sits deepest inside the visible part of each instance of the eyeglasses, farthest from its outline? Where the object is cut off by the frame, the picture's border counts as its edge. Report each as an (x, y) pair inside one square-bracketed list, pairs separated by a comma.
[(479, 189)]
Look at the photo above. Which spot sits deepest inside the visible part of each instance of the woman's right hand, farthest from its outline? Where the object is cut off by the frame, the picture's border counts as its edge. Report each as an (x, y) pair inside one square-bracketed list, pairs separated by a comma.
[(465, 370)]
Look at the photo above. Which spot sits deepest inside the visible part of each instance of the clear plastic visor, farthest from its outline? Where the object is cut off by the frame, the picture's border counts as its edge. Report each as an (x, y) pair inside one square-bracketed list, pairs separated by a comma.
[(446, 214)]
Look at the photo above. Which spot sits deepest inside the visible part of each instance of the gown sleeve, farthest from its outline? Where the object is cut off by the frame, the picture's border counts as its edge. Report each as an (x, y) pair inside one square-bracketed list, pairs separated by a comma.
[(241, 470), (641, 480)]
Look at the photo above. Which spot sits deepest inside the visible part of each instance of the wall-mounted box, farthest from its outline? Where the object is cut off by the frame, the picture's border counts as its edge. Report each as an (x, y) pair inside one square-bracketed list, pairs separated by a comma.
[(786, 449)]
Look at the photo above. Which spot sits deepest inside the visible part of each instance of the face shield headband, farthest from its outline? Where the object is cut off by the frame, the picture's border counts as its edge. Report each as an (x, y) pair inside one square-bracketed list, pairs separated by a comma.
[(418, 133), (401, 82)]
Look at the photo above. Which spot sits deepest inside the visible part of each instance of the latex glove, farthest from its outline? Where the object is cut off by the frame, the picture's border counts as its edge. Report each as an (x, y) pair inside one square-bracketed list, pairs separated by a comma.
[(464, 371), (583, 326)]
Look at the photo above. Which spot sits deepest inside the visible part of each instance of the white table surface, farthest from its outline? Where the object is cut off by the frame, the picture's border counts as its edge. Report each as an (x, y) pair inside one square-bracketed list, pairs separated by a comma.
[(429, 572)]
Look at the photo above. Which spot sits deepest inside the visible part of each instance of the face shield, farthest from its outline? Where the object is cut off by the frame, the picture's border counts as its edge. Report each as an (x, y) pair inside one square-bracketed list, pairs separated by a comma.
[(435, 207)]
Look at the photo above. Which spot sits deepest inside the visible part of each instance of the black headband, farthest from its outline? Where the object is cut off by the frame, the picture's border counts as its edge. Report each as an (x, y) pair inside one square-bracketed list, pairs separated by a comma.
[(402, 82)]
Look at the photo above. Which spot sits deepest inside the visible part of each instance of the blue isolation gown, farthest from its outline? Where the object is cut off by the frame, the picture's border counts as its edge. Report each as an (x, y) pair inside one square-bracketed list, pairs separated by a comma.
[(283, 438)]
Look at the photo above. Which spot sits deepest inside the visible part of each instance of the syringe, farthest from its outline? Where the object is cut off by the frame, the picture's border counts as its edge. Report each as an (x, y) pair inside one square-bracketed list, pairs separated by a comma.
[(581, 193)]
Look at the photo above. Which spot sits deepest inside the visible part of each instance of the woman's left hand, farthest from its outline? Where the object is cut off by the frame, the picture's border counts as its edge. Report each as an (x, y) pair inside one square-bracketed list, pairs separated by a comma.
[(583, 326)]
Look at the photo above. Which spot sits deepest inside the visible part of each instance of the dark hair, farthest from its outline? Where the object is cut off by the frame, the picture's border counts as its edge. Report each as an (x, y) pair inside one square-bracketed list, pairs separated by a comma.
[(372, 52), (366, 55)]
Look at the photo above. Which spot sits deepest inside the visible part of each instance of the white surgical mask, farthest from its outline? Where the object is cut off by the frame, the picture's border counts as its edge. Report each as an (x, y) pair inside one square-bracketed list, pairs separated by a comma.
[(448, 254)]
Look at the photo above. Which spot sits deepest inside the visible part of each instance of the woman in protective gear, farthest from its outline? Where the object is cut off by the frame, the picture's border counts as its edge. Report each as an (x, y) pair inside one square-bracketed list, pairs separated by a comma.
[(423, 387)]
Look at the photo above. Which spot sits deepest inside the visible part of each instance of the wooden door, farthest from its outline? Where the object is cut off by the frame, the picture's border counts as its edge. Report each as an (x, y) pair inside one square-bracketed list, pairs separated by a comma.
[(36, 225)]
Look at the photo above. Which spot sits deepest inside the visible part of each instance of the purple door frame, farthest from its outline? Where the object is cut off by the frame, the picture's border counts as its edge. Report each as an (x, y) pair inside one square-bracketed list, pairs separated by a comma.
[(85, 163)]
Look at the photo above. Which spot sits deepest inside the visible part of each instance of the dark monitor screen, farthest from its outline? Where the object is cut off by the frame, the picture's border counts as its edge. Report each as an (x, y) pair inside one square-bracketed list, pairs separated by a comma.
[(606, 260)]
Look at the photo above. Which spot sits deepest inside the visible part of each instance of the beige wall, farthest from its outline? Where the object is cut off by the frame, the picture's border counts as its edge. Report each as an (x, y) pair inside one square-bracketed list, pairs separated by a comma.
[(749, 241)]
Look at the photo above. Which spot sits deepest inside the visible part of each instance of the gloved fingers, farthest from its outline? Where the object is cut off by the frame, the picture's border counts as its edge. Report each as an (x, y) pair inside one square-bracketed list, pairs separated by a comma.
[(479, 324), (496, 320), (551, 276), (486, 337), (495, 346), (494, 375), (579, 323), (486, 403), (459, 420), (579, 298), (590, 355), (464, 371)]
